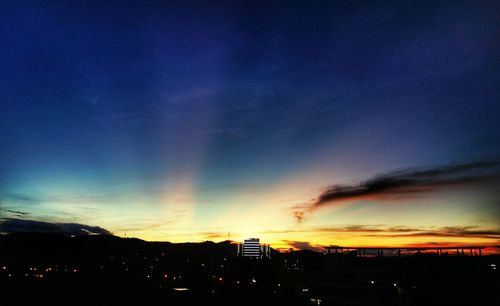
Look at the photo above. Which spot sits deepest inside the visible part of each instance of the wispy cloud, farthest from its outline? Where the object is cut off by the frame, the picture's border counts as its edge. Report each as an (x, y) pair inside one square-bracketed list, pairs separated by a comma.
[(298, 212), (470, 231), (19, 198), (214, 235), (19, 225), (299, 216), (404, 184), (34, 199), (19, 214), (303, 245), (399, 231)]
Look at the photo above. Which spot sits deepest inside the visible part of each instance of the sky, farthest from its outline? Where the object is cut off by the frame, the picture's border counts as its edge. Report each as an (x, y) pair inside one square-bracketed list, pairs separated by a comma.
[(305, 124)]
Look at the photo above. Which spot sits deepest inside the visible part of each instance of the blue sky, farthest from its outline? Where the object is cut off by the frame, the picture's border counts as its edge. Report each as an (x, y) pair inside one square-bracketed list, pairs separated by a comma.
[(167, 120)]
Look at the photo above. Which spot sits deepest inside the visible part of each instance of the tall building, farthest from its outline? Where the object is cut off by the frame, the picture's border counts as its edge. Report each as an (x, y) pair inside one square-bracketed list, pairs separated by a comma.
[(252, 248), (265, 250)]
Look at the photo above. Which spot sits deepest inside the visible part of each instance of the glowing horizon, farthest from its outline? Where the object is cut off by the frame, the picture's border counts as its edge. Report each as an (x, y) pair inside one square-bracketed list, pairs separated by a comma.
[(306, 125)]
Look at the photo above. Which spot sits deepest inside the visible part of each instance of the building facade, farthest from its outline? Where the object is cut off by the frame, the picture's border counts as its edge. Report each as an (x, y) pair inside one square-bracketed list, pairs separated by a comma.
[(252, 248)]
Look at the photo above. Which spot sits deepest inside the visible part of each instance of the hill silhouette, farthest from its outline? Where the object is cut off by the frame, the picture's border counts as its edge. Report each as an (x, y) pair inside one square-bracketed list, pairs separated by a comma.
[(58, 269)]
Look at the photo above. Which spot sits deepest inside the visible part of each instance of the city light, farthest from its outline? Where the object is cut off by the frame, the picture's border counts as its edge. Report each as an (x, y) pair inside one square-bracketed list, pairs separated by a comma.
[(180, 289), (180, 152)]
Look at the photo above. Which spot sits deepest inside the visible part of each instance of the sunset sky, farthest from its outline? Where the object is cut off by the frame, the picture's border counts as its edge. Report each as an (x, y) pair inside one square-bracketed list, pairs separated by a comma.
[(303, 123)]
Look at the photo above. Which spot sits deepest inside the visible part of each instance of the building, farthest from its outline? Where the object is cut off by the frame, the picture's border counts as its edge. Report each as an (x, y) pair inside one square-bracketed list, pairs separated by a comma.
[(252, 248)]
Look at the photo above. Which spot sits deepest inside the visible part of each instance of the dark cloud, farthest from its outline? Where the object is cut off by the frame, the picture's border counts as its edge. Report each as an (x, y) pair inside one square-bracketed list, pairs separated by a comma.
[(8, 226), (400, 231), (298, 212), (303, 245), (471, 232), (405, 183), (299, 216), (20, 214)]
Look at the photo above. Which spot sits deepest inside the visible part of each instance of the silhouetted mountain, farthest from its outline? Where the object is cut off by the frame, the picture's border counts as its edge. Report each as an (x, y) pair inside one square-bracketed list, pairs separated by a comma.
[(59, 269)]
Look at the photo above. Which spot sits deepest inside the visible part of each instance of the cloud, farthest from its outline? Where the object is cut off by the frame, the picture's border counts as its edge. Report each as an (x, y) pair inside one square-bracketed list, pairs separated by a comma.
[(299, 216), (367, 229), (214, 235), (405, 183), (491, 247), (298, 212), (36, 199), (8, 226), (143, 225), (14, 197), (399, 231), (20, 214), (469, 231), (303, 245)]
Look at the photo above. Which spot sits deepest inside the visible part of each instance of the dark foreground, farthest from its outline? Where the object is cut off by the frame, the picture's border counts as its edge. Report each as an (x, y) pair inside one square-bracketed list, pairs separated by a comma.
[(39, 269)]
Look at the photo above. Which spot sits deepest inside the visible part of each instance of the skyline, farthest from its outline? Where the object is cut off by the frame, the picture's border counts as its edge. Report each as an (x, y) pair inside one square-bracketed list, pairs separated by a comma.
[(307, 125)]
